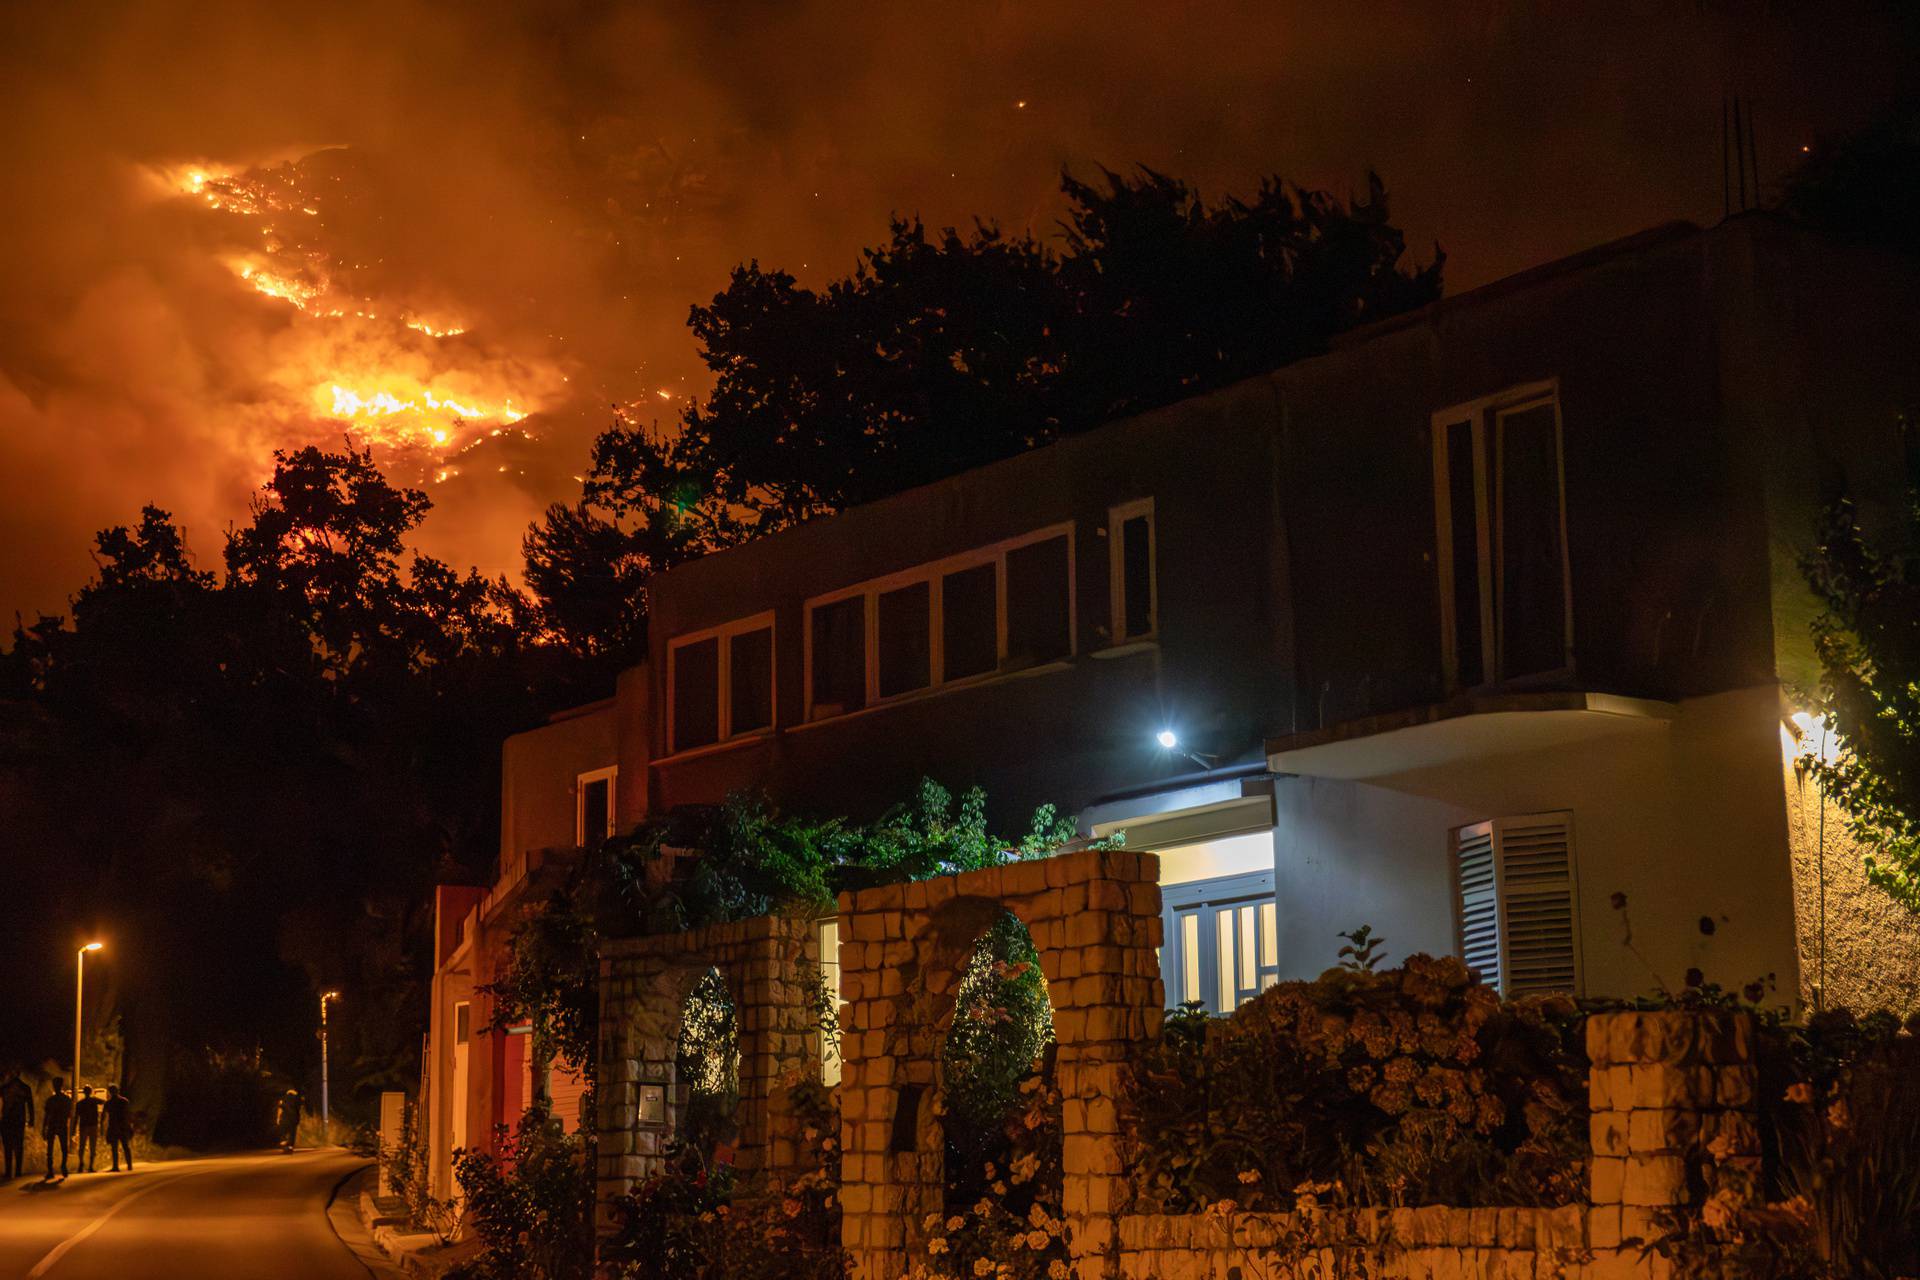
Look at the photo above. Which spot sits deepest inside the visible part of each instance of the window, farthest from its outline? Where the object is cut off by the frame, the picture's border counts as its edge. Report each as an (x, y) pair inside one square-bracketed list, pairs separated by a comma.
[(750, 681), (1223, 945), (1506, 603), (593, 806), (998, 608), (970, 621), (1516, 903), (1039, 603), (829, 933), (905, 643), (1131, 576), (720, 684), (838, 672), (696, 694)]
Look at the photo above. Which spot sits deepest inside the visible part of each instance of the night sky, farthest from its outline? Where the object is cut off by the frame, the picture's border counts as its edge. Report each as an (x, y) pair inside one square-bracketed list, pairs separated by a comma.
[(230, 227)]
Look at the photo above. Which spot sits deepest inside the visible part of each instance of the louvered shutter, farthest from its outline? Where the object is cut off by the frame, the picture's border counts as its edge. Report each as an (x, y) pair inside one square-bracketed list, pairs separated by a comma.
[(1518, 906), (1479, 902)]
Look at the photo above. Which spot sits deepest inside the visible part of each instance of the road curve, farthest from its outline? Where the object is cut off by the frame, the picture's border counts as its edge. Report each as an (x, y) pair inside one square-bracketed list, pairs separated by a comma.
[(220, 1218)]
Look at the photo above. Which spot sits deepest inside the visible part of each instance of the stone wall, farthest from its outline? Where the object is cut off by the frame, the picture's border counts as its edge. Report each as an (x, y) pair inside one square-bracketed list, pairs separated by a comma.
[(1095, 920), (1663, 1088), (766, 963)]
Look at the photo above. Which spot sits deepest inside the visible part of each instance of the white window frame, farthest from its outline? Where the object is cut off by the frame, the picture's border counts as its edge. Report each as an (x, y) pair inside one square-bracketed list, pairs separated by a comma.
[(1117, 517), (931, 573), (1483, 415), (724, 633), (609, 775)]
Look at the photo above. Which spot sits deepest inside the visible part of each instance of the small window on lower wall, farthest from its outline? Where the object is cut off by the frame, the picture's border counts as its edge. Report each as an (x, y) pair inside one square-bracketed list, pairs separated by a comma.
[(1222, 943), (1517, 904), (593, 806)]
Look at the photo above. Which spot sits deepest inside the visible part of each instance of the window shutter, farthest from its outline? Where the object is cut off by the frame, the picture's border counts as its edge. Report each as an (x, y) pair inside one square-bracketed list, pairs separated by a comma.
[(1518, 907), (1479, 904)]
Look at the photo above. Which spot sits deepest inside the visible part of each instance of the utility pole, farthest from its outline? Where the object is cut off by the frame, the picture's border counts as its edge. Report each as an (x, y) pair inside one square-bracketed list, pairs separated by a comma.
[(324, 997), (79, 984)]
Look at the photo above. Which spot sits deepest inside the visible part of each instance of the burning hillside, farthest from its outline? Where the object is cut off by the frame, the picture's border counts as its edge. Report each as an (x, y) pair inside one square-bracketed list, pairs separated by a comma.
[(365, 345)]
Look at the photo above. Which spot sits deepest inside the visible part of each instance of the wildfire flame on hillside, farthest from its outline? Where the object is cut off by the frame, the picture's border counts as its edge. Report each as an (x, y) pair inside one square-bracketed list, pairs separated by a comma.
[(405, 378)]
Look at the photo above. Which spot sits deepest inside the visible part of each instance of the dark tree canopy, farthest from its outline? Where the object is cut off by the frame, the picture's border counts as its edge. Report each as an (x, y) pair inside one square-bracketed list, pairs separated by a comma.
[(248, 780), (1864, 187), (947, 351)]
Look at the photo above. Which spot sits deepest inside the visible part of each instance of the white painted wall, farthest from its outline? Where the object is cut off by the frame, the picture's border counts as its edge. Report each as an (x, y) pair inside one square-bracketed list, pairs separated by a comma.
[(1685, 817)]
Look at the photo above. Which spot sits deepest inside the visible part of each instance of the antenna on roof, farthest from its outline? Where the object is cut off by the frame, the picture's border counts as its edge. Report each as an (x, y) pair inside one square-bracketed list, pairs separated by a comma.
[(1727, 183), (1739, 154)]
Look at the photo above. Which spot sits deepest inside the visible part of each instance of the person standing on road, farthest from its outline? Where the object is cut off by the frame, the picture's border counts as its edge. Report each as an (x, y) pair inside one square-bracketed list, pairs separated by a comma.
[(16, 1113), (86, 1129), (286, 1118), (56, 1118), (119, 1127)]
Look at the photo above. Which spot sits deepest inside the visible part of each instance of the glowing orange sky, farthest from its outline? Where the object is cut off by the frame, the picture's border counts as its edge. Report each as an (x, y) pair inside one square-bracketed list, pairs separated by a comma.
[(499, 214)]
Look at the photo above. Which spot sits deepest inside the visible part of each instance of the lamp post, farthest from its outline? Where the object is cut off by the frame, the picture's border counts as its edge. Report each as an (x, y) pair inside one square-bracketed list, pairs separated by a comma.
[(324, 997), (79, 984)]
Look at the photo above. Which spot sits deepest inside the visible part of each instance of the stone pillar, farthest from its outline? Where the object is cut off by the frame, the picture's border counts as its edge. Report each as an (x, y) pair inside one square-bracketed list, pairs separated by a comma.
[(1099, 959), (775, 1017), (1664, 1087), (872, 1171)]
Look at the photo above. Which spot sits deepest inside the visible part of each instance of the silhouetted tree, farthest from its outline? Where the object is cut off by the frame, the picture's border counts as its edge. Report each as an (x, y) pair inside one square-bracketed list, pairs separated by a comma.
[(250, 779), (1864, 187), (944, 352)]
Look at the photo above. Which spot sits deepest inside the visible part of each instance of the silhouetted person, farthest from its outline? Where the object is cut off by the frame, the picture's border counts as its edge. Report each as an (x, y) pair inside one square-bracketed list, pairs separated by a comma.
[(119, 1127), (86, 1129), (286, 1118), (16, 1113), (55, 1119)]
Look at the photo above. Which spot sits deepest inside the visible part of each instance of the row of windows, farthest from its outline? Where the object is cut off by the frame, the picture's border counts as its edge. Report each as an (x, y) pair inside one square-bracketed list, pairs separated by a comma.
[(1505, 595), (990, 611)]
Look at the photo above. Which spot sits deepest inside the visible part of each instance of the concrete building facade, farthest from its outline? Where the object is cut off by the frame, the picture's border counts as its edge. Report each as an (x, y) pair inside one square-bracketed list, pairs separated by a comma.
[(1475, 627)]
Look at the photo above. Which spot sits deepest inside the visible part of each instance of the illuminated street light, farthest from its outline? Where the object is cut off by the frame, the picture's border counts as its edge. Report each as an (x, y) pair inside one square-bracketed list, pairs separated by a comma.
[(79, 983), (1170, 741), (324, 997)]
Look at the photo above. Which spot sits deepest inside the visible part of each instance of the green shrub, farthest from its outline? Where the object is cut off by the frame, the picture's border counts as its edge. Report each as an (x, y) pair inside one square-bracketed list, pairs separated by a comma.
[(702, 1220), (531, 1206)]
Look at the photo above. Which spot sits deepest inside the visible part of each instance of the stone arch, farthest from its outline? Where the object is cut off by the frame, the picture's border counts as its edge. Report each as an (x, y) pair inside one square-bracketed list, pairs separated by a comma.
[(927, 976), (1094, 917), (644, 986)]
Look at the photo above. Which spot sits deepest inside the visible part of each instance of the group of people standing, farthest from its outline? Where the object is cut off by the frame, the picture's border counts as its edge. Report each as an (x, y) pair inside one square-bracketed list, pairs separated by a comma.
[(62, 1119)]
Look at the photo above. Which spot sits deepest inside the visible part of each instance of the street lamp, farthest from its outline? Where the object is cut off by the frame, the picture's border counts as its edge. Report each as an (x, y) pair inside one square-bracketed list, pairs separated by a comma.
[(324, 997), (79, 983)]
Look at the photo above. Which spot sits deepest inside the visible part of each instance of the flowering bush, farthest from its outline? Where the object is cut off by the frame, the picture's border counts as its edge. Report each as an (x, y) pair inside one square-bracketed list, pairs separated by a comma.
[(532, 1206), (702, 1221), (1408, 1086), (1014, 1230), (1002, 1024)]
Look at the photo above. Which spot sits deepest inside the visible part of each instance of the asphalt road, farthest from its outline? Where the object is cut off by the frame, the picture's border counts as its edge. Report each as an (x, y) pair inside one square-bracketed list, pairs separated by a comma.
[(220, 1218)]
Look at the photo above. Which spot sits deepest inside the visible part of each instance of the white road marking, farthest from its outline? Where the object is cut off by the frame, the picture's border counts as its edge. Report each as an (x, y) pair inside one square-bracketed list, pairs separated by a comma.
[(59, 1251)]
